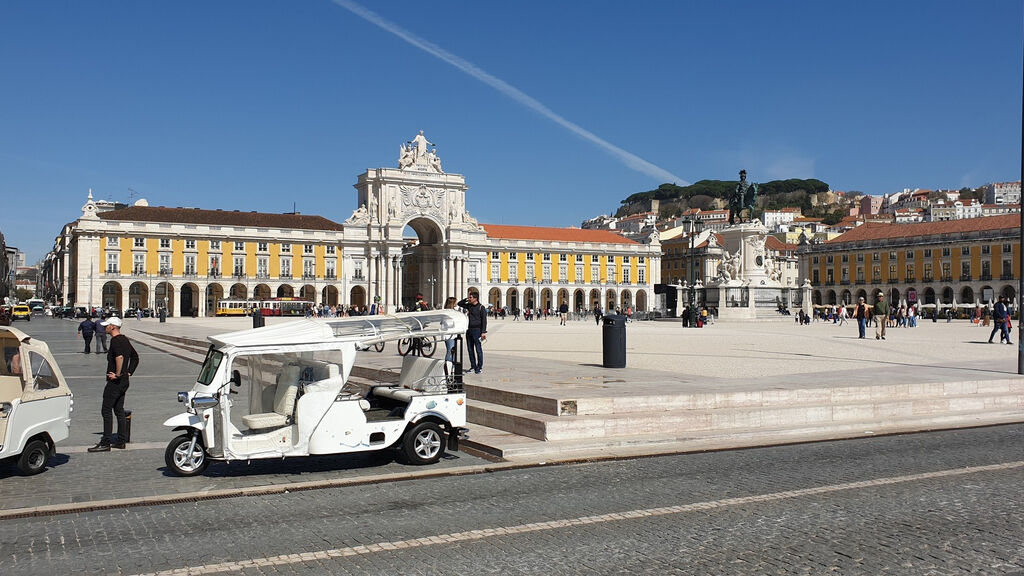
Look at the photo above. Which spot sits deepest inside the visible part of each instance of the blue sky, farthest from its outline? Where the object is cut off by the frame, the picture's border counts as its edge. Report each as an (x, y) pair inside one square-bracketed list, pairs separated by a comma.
[(255, 105)]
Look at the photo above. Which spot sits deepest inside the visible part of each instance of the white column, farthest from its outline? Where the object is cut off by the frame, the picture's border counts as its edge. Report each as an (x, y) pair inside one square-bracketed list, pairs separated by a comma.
[(462, 277), (369, 278), (388, 279)]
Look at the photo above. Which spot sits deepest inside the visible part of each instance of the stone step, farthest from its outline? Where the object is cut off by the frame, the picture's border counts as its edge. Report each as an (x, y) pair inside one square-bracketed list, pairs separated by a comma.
[(881, 410), (625, 402), (506, 445)]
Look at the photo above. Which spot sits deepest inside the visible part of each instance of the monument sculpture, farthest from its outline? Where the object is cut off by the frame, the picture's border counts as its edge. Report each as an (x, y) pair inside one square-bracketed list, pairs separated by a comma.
[(744, 198), (414, 155)]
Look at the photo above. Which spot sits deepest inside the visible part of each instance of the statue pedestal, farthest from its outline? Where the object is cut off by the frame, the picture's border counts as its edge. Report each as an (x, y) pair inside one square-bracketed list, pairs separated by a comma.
[(753, 289)]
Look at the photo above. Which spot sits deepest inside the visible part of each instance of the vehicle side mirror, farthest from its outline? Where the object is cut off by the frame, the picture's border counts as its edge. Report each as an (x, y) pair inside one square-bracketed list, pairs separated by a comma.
[(236, 378), (5, 409)]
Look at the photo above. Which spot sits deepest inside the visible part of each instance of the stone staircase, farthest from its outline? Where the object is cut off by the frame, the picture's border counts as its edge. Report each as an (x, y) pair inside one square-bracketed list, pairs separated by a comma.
[(550, 424)]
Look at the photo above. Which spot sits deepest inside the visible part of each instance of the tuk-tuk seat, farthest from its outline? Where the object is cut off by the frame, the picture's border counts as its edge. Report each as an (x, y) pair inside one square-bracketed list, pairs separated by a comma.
[(284, 402)]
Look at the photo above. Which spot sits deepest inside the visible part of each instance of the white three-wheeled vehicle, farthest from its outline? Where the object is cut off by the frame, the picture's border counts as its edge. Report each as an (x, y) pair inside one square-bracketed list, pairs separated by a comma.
[(285, 390), (35, 402)]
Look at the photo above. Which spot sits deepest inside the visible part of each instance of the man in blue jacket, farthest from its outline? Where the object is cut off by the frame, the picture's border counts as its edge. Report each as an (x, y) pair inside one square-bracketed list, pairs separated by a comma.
[(86, 329), (477, 332), (999, 316)]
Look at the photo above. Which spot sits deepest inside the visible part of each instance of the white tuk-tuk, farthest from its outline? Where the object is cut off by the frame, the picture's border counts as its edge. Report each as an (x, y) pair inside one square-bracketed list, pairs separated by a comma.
[(284, 390), (35, 401)]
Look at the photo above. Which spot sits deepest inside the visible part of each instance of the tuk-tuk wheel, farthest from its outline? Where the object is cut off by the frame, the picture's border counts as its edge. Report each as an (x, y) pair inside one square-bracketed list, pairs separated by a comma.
[(33, 459), (182, 463), (424, 443)]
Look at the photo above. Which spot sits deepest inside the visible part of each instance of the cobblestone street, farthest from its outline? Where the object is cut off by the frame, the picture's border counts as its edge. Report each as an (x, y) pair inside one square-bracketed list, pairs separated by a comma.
[(938, 503)]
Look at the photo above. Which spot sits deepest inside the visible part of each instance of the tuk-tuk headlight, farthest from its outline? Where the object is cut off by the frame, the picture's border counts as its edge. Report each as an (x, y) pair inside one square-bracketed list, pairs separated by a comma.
[(182, 397), (200, 403)]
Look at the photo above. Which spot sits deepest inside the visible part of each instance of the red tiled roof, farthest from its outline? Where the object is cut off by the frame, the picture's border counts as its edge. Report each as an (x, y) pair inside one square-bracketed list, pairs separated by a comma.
[(220, 218), (773, 243), (878, 231), (554, 234)]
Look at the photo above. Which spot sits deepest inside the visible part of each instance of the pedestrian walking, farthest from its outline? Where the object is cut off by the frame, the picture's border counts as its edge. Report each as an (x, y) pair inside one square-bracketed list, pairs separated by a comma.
[(101, 336), (597, 314), (449, 342), (477, 333), (881, 315), (1000, 317), (861, 314), (85, 330), (122, 361), (842, 314), (563, 313)]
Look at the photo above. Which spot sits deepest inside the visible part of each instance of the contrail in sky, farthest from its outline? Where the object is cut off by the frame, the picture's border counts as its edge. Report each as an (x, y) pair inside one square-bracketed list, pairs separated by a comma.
[(629, 159)]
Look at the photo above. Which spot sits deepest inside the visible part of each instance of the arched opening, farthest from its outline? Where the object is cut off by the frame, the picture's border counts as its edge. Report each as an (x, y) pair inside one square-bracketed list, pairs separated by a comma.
[(862, 294), (562, 298), (641, 301), (627, 299), (138, 295), (214, 294), (512, 297), (1011, 293), (579, 301), (847, 298), (967, 296), (947, 295), (545, 299), (987, 295), (830, 298), (189, 300), (529, 298), (330, 295), (308, 293), (816, 297), (929, 295), (239, 292), (261, 292), (595, 298), (894, 297), (164, 297), (494, 298), (357, 296), (285, 291), (422, 262), (112, 296), (610, 301)]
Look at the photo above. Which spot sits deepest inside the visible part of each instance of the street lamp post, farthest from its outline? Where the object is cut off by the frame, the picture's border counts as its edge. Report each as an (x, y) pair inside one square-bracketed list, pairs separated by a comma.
[(694, 222)]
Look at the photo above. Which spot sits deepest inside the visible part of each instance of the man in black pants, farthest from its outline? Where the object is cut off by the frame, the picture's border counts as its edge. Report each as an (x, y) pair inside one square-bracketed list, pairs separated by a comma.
[(86, 329), (122, 360), (477, 332)]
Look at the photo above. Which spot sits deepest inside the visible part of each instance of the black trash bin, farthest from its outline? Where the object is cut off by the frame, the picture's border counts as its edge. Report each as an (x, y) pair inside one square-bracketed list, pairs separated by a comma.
[(257, 320), (614, 341), (163, 315)]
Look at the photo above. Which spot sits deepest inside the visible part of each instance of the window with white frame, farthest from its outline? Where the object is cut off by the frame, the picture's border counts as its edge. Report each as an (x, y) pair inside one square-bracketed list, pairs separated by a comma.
[(595, 275), (286, 248), (214, 244), (139, 243), (563, 272), (165, 263), (190, 244), (627, 274), (513, 256), (331, 249), (495, 271), (307, 248), (529, 256), (214, 265), (641, 275), (529, 273), (594, 259), (579, 273), (308, 267), (165, 243), (190, 264), (138, 263), (547, 273), (330, 267), (358, 270), (262, 246), (610, 272), (239, 268), (113, 242), (579, 257), (547, 257), (513, 273), (239, 247), (472, 271), (263, 267), (112, 260), (563, 257), (495, 255), (286, 267)]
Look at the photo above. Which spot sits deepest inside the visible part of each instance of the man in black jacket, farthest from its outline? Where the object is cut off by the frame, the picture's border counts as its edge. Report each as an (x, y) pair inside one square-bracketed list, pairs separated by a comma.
[(122, 360), (477, 332)]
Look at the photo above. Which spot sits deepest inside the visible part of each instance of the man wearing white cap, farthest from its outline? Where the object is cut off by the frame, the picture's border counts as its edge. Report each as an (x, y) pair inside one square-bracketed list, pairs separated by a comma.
[(122, 360)]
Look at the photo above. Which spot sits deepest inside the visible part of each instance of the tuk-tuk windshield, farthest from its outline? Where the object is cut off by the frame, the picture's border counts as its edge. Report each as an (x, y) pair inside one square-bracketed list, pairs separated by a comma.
[(210, 365)]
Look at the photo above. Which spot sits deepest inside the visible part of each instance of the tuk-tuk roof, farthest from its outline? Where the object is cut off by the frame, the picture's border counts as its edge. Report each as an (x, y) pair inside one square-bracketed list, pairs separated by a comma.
[(359, 329), (18, 334)]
